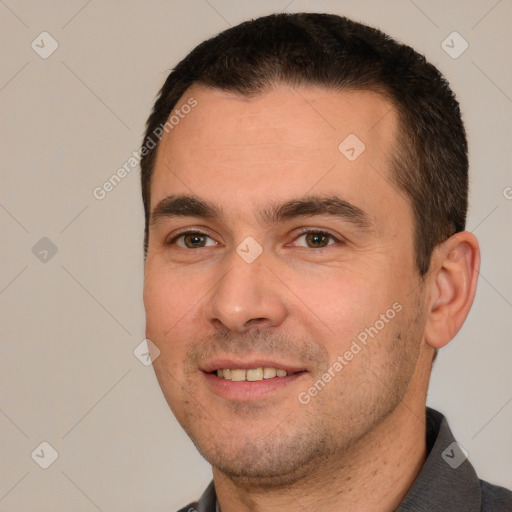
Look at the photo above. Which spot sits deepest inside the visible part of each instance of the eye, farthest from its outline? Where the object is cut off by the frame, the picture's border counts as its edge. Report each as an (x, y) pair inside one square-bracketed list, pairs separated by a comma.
[(193, 240), (315, 239)]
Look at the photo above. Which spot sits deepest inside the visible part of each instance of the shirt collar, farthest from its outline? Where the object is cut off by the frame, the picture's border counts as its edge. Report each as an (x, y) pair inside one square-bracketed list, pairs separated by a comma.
[(447, 479), (208, 501)]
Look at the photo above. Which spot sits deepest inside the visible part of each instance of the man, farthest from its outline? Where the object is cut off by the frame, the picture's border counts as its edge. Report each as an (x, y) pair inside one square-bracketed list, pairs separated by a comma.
[(305, 186)]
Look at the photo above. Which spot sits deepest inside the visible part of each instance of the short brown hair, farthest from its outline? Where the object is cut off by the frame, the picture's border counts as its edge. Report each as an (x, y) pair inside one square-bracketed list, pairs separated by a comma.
[(429, 163)]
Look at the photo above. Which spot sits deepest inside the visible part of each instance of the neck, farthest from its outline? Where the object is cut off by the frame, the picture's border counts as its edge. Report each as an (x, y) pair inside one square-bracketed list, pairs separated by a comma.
[(374, 474)]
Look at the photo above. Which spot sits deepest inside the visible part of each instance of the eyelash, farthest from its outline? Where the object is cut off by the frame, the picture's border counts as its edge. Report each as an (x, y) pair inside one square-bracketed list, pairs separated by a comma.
[(173, 240), (306, 231), (302, 232)]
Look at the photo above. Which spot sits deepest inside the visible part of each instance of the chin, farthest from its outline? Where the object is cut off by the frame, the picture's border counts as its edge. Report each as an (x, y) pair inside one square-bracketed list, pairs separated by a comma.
[(263, 463)]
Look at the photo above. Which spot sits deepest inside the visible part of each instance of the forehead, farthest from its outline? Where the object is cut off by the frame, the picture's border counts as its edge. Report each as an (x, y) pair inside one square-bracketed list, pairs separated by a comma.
[(286, 141)]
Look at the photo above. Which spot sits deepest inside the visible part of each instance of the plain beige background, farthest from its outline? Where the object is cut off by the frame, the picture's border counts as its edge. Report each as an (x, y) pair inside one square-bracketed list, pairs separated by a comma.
[(70, 323)]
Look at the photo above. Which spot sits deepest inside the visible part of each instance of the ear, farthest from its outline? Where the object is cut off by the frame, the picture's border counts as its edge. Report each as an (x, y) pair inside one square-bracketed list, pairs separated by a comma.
[(452, 280)]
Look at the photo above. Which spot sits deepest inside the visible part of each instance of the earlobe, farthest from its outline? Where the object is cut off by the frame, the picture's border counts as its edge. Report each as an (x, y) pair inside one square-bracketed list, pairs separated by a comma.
[(453, 277)]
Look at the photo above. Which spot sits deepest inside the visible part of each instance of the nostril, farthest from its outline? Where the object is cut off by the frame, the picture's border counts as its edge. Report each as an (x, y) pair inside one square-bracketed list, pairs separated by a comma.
[(256, 324)]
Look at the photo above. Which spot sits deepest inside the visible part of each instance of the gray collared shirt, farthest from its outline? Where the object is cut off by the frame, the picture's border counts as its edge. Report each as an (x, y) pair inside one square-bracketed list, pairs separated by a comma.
[(447, 480)]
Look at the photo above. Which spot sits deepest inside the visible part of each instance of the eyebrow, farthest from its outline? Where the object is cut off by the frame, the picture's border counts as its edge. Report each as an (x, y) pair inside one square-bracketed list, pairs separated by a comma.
[(192, 206)]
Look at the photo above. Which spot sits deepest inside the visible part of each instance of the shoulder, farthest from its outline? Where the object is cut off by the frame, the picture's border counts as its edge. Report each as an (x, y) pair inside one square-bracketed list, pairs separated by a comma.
[(207, 502), (192, 507), (495, 498)]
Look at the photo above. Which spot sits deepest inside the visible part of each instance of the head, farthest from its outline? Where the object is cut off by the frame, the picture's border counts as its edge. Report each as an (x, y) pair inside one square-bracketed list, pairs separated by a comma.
[(320, 170), (429, 164)]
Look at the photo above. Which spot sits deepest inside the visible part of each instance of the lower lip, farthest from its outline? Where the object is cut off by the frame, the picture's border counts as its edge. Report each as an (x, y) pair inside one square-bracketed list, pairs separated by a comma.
[(247, 390)]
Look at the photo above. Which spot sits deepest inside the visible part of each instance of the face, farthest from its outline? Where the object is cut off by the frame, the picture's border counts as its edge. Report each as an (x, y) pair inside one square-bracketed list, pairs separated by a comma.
[(280, 283)]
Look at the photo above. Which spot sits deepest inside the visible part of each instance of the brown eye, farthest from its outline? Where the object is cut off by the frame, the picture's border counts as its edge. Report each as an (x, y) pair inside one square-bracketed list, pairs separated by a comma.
[(193, 240), (317, 240)]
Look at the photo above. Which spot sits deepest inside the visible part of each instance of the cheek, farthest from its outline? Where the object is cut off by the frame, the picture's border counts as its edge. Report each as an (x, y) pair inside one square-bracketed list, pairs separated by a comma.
[(173, 307), (346, 302)]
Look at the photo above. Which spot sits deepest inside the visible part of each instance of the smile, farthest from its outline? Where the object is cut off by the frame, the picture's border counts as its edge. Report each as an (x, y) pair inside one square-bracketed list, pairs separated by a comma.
[(250, 374)]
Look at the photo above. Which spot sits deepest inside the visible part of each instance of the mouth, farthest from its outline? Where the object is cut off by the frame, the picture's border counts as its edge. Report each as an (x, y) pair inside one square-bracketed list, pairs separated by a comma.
[(251, 374), (249, 381)]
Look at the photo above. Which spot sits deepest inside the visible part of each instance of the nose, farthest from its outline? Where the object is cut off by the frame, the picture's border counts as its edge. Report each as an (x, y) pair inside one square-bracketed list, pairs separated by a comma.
[(248, 296)]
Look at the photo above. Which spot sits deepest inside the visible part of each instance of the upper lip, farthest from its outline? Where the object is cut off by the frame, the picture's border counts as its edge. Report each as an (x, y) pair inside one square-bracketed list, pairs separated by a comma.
[(246, 364)]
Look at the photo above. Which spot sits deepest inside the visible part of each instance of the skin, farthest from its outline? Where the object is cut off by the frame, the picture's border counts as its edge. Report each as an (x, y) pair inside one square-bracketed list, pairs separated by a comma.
[(360, 441)]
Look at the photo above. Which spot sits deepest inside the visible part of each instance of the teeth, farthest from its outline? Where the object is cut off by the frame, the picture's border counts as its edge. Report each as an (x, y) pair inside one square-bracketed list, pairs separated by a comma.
[(238, 375), (254, 374), (251, 375), (269, 373)]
